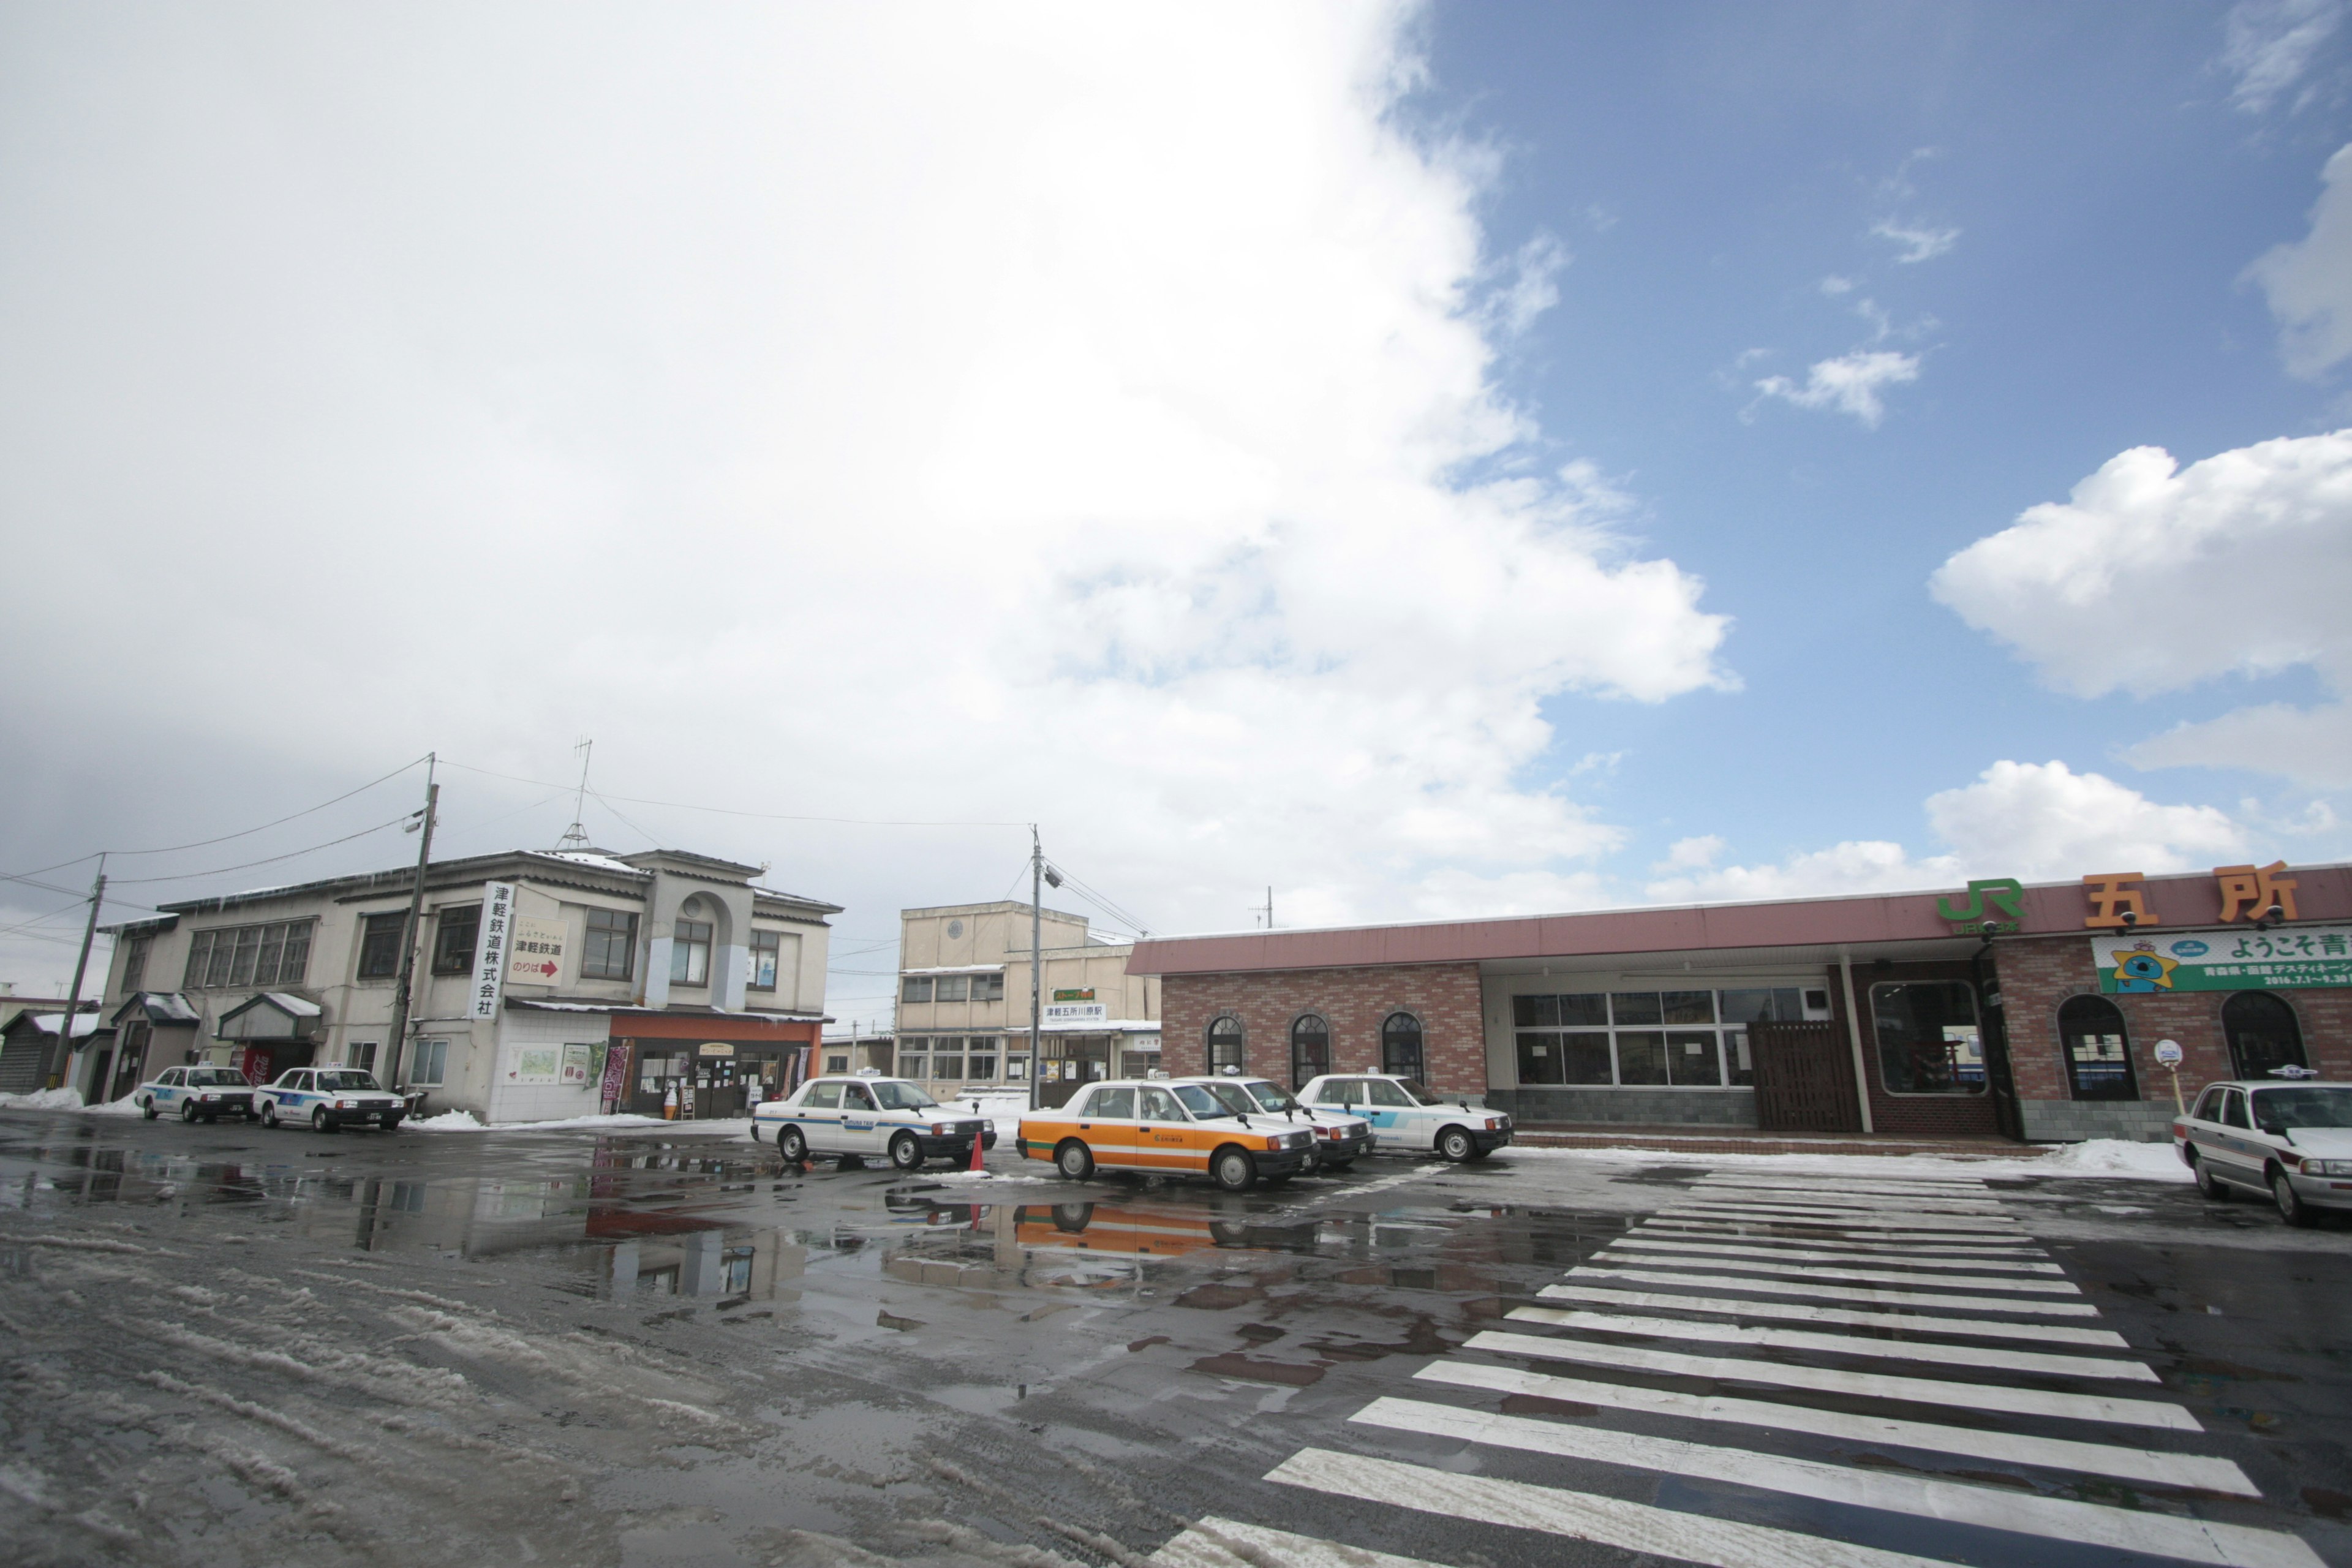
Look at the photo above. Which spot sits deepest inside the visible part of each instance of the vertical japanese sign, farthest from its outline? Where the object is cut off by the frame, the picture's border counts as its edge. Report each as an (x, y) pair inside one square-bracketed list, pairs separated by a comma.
[(491, 948), (616, 1075)]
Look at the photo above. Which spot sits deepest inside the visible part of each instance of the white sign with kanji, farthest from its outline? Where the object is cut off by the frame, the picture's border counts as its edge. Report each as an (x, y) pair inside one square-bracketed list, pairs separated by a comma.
[(535, 956), (491, 946)]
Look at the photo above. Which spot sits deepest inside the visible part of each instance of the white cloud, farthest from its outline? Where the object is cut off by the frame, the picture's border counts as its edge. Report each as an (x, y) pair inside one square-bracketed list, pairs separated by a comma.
[(1041, 413), (1834, 286), (1692, 854), (2152, 577), (1849, 383), (2311, 746), (2035, 821), (1534, 285), (2268, 45), (2309, 281), (1919, 242)]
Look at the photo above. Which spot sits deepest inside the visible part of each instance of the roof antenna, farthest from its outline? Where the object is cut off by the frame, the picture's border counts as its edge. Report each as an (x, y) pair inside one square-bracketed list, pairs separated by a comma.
[(576, 836)]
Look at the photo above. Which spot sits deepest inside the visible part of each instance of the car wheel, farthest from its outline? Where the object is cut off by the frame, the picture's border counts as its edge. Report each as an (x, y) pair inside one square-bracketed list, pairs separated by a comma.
[(1477, 1154), (269, 1113), (395, 1120), (792, 1145), (1233, 1170), (188, 1111), (906, 1153), (2212, 1186), (1455, 1145), (2290, 1206), (148, 1108), (319, 1122), (1075, 1160)]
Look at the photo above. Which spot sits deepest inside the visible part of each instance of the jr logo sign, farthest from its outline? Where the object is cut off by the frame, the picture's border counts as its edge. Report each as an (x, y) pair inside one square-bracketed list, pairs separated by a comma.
[(1999, 901)]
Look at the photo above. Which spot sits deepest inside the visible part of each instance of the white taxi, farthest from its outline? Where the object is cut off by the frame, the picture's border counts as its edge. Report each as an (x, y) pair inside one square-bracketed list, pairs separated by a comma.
[(2291, 1142), (1339, 1138), (869, 1117), (328, 1098), (1408, 1117), (206, 1093)]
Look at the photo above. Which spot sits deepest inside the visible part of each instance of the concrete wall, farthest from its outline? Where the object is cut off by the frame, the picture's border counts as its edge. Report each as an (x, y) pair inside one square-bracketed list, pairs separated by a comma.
[(1444, 997), (512, 1101)]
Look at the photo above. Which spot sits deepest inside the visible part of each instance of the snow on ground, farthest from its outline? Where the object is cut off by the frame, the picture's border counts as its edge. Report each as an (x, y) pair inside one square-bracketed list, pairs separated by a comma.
[(42, 1099), (2098, 1157), (466, 1122)]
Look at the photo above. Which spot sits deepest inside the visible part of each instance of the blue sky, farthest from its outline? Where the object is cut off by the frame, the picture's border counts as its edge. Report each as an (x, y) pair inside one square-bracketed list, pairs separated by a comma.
[(1435, 461)]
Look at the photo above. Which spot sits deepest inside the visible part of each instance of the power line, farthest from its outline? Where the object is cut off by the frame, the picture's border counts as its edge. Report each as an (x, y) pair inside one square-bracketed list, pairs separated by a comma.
[(274, 859)]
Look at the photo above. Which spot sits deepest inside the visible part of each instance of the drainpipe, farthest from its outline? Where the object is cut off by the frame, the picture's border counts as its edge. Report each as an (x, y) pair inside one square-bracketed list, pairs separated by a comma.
[(1853, 1036)]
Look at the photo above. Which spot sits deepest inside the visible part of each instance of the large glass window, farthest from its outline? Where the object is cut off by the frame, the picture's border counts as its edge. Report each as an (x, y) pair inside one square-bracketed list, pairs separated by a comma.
[(1225, 1044), (1928, 1041), (689, 952), (988, 987), (915, 988), (1401, 1046), (134, 962), (979, 1063), (611, 949), (2263, 1033), (952, 988), (767, 949), (2098, 1057), (429, 1068), (1310, 1048), (262, 955), (453, 940), (380, 944), (1694, 1039)]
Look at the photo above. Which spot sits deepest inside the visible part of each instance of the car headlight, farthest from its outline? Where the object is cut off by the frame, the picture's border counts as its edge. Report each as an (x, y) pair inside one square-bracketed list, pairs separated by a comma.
[(2327, 1167), (345, 1105), (209, 1096)]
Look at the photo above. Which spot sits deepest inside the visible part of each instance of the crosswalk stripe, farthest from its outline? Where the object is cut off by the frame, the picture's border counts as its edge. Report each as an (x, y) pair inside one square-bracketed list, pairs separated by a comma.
[(2061, 1519), (1904, 1323), (1809, 1254), (2000, 1358), (1841, 1293), (1579, 1516), (1852, 1219), (1864, 1276), (1955, 1208), (1973, 1442), (1824, 1380), (1943, 1247), (1884, 1189), (1229, 1544)]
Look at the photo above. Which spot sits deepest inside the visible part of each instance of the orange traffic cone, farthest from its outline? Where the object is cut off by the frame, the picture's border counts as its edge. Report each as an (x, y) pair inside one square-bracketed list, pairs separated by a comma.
[(978, 1140)]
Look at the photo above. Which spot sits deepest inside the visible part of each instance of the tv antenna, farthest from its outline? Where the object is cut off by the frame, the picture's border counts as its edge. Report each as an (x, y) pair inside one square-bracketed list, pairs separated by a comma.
[(576, 835)]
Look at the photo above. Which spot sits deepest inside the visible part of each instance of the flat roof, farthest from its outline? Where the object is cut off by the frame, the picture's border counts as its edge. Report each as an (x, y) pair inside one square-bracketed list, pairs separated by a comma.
[(2178, 900)]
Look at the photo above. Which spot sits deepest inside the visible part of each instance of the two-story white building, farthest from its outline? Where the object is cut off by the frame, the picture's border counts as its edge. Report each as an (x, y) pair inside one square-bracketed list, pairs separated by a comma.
[(548, 984)]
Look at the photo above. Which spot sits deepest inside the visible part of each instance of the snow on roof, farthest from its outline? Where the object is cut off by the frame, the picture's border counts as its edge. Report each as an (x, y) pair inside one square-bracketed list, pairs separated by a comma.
[(171, 1005), (83, 1024), (291, 1005), (588, 858)]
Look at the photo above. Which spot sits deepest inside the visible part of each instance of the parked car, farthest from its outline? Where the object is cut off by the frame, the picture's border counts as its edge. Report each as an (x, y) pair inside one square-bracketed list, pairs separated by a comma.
[(210, 1093), (328, 1098), (1407, 1117), (869, 1117), (2290, 1141), (1339, 1138), (1166, 1129)]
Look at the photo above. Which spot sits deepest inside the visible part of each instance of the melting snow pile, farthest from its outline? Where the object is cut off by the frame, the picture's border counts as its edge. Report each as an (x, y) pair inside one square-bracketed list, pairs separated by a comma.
[(448, 1121), (42, 1099)]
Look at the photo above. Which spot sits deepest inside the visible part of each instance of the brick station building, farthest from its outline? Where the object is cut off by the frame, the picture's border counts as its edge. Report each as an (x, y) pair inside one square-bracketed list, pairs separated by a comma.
[(2035, 1012)]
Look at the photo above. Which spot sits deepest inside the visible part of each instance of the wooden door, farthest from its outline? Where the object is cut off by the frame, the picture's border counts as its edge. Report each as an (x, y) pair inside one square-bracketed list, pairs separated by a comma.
[(1804, 1077)]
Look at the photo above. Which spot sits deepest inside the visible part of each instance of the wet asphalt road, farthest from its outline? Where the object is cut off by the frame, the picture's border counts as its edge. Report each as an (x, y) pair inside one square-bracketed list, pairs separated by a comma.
[(224, 1345)]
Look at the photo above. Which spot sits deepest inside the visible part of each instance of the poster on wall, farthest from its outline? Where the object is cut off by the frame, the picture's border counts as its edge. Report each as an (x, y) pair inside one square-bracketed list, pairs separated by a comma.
[(615, 1075), (536, 1064), (490, 946), (2159, 963), (579, 1061), (535, 955)]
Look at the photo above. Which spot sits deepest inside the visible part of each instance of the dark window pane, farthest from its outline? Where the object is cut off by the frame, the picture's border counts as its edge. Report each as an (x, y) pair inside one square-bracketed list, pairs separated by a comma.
[(1401, 1046), (2093, 1044), (1311, 1049), (1751, 1007), (916, 988), (248, 947), (224, 949), (1641, 1057), (1689, 1006), (1535, 1011), (1634, 1006), (1589, 1010), (612, 946), (1691, 1058), (1735, 1050), (273, 944), (1584, 1058), (2263, 1033), (379, 946), (1541, 1060), (952, 988), (766, 946), (1927, 1039), (1224, 1044), (1112, 1102), (453, 940), (200, 948)]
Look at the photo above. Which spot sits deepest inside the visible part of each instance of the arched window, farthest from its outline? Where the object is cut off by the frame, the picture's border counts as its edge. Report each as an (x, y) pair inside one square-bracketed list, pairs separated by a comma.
[(2263, 1033), (1225, 1044), (1310, 1048), (2098, 1055), (1401, 1046)]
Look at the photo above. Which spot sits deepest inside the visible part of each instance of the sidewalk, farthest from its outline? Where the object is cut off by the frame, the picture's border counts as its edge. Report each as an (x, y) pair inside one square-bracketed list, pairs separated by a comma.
[(1744, 1140)]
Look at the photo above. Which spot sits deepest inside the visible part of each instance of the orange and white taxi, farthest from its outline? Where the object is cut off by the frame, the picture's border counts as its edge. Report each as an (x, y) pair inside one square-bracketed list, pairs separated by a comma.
[(1164, 1129)]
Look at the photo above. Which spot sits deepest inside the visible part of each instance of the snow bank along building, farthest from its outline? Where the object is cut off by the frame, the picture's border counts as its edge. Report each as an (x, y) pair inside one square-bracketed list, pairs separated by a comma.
[(964, 1002), (2035, 1012), (548, 984)]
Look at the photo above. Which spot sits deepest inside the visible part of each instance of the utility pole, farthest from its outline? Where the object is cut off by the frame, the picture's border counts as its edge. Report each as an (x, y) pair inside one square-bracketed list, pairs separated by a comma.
[(82, 966), (1037, 953), (396, 1046)]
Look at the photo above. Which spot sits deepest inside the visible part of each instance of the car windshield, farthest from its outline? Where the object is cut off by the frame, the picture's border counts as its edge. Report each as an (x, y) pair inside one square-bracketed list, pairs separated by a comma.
[(1199, 1101), (348, 1081), (1232, 1096), (207, 1076), (898, 1096), (1417, 1094), (1273, 1095), (2305, 1107)]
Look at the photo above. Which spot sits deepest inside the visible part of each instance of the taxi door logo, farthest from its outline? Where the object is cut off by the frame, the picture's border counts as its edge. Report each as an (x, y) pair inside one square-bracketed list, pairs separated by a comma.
[(2143, 971)]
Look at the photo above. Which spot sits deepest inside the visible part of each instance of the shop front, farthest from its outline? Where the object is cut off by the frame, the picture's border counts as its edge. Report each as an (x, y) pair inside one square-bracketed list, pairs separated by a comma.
[(701, 1067), (266, 1035)]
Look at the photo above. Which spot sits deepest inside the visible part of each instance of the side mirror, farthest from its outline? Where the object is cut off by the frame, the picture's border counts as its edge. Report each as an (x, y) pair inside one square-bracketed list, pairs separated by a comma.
[(2275, 1129)]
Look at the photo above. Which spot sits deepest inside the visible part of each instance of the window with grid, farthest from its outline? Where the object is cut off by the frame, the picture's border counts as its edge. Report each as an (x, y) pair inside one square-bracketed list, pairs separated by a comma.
[(767, 950), (915, 988), (1225, 1044), (988, 987), (689, 952), (1672, 1040), (380, 944), (134, 962), (609, 947), (454, 935), (260, 955)]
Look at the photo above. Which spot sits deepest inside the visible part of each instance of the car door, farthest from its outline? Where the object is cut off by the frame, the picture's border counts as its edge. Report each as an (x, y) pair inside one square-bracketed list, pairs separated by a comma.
[(1165, 1138), (1393, 1113), (818, 1116), (861, 1121), (166, 1093), (1107, 1121), (2241, 1157)]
